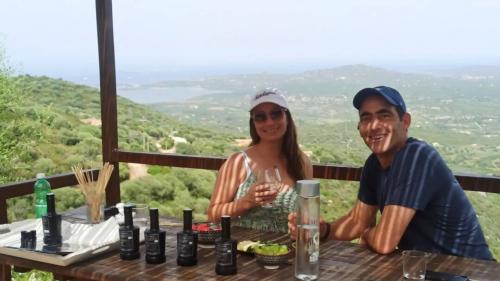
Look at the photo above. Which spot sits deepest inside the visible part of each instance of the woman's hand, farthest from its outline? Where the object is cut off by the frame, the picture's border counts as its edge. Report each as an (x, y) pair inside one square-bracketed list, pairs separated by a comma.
[(260, 194)]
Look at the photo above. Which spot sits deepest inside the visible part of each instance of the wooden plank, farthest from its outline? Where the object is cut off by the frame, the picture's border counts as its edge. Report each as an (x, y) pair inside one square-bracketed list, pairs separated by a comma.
[(5, 272), (339, 260), (107, 78), (26, 187), (3, 211), (337, 172), (173, 160), (21, 188)]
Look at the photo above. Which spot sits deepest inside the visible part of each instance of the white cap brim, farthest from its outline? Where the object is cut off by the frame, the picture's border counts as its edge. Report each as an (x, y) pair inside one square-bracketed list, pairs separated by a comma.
[(268, 96)]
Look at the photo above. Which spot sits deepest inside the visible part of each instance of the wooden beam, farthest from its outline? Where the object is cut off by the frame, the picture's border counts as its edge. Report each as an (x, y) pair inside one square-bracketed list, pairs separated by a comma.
[(108, 95), (173, 160), (3, 211), (21, 188), (335, 172), (5, 274)]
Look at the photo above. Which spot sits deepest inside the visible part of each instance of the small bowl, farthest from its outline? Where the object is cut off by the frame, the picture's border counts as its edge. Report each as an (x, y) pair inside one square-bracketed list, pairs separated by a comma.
[(207, 236), (272, 262)]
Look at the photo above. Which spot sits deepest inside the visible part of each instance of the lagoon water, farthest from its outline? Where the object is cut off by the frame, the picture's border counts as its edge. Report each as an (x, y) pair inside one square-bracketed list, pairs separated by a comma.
[(164, 94)]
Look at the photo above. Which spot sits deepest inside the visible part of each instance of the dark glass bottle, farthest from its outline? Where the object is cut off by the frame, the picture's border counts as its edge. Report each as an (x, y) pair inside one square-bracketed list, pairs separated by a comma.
[(129, 236), (51, 223), (225, 249), (155, 239), (187, 242)]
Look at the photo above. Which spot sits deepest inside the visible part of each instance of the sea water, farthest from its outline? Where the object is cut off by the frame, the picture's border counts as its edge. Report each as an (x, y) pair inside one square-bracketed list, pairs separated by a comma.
[(307, 256)]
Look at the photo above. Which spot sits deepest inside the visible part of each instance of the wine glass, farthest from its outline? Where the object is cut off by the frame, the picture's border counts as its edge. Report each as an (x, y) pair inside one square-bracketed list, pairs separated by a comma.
[(271, 177)]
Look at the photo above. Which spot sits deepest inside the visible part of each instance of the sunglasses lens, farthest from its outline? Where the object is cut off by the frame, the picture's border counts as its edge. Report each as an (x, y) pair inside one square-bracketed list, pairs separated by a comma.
[(276, 114), (259, 117)]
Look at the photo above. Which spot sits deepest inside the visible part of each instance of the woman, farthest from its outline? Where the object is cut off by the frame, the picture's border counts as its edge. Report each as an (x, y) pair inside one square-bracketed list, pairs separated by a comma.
[(274, 146)]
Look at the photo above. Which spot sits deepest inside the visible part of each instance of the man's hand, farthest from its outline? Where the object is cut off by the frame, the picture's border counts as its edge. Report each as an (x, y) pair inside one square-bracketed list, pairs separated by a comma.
[(292, 225), (363, 239)]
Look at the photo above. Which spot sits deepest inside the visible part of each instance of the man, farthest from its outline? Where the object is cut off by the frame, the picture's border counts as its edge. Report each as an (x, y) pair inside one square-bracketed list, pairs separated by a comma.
[(423, 207)]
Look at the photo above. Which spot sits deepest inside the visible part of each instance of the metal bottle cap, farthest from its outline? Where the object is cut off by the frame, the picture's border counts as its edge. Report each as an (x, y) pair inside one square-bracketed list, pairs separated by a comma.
[(308, 188)]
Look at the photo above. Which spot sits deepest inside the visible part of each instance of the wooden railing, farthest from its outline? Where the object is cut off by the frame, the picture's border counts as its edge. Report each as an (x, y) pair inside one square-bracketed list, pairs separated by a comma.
[(335, 172), (111, 153), (21, 188)]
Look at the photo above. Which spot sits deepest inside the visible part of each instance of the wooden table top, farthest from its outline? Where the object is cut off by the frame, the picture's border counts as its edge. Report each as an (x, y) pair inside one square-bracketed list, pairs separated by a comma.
[(338, 261)]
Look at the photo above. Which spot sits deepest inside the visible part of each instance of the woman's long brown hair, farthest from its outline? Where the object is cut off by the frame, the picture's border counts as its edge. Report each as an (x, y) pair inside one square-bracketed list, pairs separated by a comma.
[(290, 148)]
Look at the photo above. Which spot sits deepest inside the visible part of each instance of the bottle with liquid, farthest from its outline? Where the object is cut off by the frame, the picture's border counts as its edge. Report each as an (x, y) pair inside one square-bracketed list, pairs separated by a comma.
[(40, 190), (129, 236), (187, 242), (51, 223), (308, 215), (225, 249), (155, 239)]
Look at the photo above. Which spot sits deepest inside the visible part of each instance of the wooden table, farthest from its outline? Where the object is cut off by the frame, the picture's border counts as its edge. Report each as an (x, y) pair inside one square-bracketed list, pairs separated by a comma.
[(338, 261)]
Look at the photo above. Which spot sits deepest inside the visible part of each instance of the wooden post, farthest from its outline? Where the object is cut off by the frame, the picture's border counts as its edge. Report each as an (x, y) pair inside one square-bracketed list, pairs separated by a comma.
[(3, 211), (5, 274), (107, 76)]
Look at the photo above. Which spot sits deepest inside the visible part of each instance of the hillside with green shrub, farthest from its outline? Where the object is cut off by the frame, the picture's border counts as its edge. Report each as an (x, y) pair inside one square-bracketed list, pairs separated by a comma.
[(49, 125)]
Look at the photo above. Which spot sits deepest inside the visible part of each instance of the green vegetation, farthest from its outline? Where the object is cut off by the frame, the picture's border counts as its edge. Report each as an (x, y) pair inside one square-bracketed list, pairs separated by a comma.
[(49, 125), (52, 125), (459, 117)]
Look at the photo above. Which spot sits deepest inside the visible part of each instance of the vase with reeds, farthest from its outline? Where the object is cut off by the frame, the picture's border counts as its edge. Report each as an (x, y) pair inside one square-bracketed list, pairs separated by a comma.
[(94, 191)]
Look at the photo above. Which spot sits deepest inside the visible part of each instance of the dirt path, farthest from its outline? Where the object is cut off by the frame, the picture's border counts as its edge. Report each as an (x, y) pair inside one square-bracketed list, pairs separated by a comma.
[(137, 170)]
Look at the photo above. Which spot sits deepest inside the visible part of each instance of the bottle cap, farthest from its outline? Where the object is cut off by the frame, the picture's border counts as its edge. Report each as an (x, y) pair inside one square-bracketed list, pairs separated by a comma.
[(40, 175), (308, 188)]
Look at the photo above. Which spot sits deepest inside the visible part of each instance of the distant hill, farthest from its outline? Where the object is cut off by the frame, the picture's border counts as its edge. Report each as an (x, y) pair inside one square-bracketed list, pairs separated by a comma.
[(54, 125), (345, 80), (460, 117), (485, 73)]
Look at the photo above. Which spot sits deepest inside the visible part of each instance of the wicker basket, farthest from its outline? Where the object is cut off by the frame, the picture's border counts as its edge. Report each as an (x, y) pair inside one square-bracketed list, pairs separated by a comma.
[(274, 261)]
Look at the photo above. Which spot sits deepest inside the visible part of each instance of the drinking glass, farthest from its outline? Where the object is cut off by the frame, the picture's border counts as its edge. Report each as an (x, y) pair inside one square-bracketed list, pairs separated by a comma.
[(140, 215), (271, 177), (414, 265)]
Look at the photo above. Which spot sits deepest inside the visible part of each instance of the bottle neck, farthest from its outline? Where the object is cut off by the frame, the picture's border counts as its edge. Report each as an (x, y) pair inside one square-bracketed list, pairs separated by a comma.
[(154, 220), (226, 227), (188, 220), (127, 210), (51, 204)]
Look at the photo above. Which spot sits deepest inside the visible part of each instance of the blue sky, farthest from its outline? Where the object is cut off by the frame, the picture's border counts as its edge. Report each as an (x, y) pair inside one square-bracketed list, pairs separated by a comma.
[(57, 36)]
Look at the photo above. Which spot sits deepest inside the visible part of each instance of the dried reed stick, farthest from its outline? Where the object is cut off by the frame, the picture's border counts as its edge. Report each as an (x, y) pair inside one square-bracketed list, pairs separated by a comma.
[(93, 191)]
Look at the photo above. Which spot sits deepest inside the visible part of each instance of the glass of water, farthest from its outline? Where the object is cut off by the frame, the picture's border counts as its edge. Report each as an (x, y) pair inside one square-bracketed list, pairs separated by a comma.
[(414, 265), (140, 215)]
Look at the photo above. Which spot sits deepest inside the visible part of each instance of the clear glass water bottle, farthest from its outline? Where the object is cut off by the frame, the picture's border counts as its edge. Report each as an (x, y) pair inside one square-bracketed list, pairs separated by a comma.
[(307, 253)]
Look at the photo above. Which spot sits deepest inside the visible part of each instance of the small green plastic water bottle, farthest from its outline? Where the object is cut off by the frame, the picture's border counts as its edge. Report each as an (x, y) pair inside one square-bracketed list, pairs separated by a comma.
[(41, 188)]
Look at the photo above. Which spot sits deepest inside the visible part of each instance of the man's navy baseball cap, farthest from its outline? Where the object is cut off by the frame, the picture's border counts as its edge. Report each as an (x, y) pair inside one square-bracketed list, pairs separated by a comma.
[(389, 94)]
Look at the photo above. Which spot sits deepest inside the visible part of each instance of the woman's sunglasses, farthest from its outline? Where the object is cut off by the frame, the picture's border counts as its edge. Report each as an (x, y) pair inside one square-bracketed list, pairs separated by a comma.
[(275, 115)]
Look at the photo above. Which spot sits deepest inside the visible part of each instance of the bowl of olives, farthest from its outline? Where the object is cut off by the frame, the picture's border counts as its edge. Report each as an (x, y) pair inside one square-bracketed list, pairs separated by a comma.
[(272, 255)]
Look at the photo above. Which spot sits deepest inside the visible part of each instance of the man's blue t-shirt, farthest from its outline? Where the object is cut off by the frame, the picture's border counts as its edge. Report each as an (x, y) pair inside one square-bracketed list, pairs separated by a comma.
[(418, 178)]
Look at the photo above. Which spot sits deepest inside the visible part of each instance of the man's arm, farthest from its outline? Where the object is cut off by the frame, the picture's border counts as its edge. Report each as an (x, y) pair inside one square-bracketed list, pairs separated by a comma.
[(353, 224), (385, 237)]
